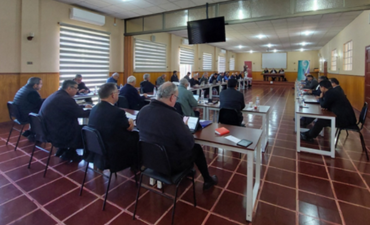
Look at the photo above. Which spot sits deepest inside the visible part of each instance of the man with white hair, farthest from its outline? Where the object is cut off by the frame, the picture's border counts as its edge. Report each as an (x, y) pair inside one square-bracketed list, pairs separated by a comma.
[(113, 78), (186, 99), (194, 81), (146, 86), (135, 101), (153, 123)]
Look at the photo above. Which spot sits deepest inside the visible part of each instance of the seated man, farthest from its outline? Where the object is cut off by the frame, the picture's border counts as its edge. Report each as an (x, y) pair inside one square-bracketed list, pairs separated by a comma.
[(232, 99), (213, 78), (115, 130), (232, 76), (28, 100), (335, 83), (273, 70), (335, 101), (135, 101), (174, 77), (222, 78), (60, 113), (187, 76), (204, 79), (161, 80), (113, 79), (186, 99), (281, 70), (317, 90), (82, 89), (266, 70), (194, 81), (311, 82), (146, 86), (152, 121)]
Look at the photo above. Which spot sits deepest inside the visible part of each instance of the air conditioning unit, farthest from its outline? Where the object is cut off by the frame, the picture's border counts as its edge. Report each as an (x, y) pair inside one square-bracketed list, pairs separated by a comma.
[(223, 51), (185, 41), (87, 17)]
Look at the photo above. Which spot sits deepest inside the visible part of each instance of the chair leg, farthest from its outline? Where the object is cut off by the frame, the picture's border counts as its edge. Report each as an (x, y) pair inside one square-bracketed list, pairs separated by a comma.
[(336, 142), (194, 196), (364, 146), (347, 134), (136, 181), (174, 203), (83, 181), (106, 193), (47, 163), (115, 174), (137, 195), (10, 133), (33, 151), (19, 137)]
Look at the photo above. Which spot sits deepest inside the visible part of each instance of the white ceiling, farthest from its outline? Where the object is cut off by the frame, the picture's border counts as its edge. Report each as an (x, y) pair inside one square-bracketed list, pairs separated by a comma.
[(282, 34), (132, 8)]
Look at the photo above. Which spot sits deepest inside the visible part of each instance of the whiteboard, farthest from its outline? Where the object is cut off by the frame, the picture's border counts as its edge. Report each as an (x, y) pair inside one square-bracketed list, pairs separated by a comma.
[(274, 60)]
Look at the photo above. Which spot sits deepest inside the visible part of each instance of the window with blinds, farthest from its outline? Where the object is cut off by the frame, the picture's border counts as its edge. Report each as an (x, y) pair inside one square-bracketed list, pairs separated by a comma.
[(86, 52), (333, 65), (149, 56), (207, 62), (186, 56), (221, 64), (232, 64), (347, 56)]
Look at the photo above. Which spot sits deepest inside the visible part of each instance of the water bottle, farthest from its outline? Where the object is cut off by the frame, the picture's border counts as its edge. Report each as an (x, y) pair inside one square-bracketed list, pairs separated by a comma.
[(258, 101), (155, 91), (96, 90)]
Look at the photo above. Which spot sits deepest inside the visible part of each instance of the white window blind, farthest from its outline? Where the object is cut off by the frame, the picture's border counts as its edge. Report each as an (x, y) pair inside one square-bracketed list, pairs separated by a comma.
[(207, 62), (347, 56), (150, 56), (232, 64), (221, 64), (86, 52), (186, 56), (334, 60)]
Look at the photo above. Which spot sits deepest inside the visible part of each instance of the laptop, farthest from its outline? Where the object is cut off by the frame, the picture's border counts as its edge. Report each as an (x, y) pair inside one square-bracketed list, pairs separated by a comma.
[(193, 123), (196, 97)]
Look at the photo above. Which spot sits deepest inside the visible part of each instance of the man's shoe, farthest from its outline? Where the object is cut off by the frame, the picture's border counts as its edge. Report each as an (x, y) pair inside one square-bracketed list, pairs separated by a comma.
[(26, 133), (31, 138), (305, 137), (207, 185), (60, 151)]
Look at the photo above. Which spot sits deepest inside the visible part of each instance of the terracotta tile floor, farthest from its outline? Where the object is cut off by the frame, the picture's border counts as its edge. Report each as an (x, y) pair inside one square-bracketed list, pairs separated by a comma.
[(296, 188)]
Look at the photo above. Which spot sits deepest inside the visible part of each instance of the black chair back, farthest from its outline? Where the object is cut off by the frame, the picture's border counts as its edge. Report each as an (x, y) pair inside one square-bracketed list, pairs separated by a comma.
[(363, 114), (229, 117), (92, 141), (178, 108), (37, 127), (14, 114), (154, 156), (122, 102)]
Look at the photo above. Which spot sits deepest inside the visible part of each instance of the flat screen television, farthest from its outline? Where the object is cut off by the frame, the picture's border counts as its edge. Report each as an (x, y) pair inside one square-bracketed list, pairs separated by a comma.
[(206, 31)]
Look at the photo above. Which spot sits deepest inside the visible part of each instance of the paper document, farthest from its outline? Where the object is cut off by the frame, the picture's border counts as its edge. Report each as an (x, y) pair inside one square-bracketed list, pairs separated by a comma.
[(233, 139), (130, 116), (192, 122)]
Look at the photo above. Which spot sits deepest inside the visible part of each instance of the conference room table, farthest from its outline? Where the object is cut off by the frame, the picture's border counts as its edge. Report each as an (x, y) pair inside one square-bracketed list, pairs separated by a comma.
[(207, 136), (310, 99), (207, 86), (314, 111), (263, 110), (273, 75)]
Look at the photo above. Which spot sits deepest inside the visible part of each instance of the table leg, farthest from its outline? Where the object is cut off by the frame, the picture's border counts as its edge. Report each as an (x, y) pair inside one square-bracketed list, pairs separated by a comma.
[(198, 92), (210, 92), (249, 200), (219, 89), (332, 140), (265, 132), (298, 128)]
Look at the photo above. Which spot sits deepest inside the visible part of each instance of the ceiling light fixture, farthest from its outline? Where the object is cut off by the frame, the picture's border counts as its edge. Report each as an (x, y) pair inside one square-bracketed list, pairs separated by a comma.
[(251, 51), (307, 32), (269, 45), (315, 6), (241, 15), (260, 36), (240, 46), (275, 50), (303, 43), (302, 49)]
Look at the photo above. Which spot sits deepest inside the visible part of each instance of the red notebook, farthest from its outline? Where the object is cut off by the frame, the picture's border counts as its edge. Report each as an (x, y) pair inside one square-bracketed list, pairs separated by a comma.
[(222, 131)]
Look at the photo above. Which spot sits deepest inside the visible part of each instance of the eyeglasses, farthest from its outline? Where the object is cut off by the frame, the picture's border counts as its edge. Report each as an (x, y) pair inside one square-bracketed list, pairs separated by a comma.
[(74, 87), (176, 96)]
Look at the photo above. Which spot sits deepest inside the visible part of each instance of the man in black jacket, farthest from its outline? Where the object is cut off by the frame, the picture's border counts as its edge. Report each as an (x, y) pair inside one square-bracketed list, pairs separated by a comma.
[(146, 86), (82, 89), (311, 82), (135, 101), (115, 129), (335, 84), (60, 113), (232, 99), (194, 81), (152, 121), (335, 101), (174, 77), (28, 100)]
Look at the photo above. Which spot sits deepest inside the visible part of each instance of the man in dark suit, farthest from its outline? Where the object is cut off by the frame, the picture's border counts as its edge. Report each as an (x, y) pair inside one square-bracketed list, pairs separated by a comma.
[(115, 129), (82, 89), (273, 70), (146, 86), (152, 121), (194, 81), (187, 76), (174, 77), (60, 113), (232, 99), (28, 100), (311, 82), (335, 101), (135, 101), (335, 84), (317, 90), (213, 78), (266, 70)]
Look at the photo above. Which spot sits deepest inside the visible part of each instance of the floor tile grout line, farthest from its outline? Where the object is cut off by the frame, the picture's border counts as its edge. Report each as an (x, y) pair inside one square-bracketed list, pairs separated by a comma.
[(39, 206), (335, 195), (23, 216)]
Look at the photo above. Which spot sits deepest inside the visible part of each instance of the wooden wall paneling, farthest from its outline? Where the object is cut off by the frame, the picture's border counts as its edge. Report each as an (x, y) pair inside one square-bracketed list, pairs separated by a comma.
[(128, 57), (121, 79), (10, 85)]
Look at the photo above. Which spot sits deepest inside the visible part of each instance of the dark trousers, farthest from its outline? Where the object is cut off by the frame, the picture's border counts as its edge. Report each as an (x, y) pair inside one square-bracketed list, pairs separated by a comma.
[(316, 129), (200, 161)]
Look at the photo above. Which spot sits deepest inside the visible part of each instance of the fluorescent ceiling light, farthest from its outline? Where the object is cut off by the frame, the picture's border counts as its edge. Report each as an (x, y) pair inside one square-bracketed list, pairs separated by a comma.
[(307, 32), (301, 49), (240, 46), (260, 36), (251, 51), (269, 45), (275, 50), (315, 6), (241, 15), (303, 43)]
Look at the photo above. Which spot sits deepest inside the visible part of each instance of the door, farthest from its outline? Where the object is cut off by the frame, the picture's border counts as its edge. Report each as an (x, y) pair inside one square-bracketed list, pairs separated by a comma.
[(325, 68), (367, 74)]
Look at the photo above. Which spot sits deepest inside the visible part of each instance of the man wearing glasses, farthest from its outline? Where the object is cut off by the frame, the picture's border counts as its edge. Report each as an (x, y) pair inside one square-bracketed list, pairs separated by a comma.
[(60, 113)]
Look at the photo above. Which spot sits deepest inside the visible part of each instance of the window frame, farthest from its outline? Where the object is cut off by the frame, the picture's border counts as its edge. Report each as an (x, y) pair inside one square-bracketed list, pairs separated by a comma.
[(348, 56)]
